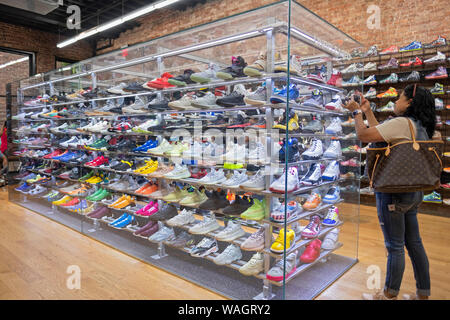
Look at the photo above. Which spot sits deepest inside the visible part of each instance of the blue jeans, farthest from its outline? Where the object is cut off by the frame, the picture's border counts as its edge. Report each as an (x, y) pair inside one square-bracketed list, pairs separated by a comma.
[(397, 213)]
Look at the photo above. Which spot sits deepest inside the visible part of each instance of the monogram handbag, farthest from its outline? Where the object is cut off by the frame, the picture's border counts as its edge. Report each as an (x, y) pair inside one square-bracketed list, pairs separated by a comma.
[(406, 166)]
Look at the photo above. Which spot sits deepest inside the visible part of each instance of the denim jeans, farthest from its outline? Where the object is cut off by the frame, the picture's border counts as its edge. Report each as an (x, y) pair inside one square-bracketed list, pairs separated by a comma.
[(397, 213)]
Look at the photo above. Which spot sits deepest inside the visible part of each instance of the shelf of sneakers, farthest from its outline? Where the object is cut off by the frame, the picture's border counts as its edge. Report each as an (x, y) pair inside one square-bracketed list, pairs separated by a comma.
[(299, 242), (305, 266), (245, 80)]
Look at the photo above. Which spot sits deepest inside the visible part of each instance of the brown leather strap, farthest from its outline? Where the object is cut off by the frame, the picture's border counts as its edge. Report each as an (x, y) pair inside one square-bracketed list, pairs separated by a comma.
[(416, 146)]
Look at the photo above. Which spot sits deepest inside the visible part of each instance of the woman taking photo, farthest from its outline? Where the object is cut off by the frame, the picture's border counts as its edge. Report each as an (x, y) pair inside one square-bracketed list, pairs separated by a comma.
[(397, 212)]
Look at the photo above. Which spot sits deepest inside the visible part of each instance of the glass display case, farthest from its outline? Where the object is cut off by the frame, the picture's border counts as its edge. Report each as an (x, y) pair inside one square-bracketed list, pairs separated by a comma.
[(197, 150)]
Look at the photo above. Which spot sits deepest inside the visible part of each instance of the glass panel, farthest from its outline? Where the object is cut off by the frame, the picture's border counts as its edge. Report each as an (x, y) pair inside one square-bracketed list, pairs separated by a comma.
[(264, 138)]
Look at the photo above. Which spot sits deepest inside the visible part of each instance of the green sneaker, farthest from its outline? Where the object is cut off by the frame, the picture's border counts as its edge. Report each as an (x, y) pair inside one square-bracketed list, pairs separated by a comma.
[(86, 176), (102, 195), (99, 145), (96, 193), (433, 197), (256, 211), (232, 166)]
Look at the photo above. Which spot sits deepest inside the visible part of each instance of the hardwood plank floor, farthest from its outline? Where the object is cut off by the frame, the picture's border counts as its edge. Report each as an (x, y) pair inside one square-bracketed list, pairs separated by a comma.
[(35, 253)]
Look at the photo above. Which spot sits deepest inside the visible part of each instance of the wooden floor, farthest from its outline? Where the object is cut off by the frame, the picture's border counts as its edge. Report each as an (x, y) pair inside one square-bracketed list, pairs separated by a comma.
[(35, 253)]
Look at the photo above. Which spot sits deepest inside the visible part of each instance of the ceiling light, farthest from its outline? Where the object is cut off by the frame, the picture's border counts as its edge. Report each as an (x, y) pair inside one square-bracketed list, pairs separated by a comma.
[(116, 22), (13, 62)]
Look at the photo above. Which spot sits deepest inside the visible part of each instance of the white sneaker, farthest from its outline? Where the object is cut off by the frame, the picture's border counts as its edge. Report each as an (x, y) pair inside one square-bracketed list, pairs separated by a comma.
[(65, 144), (314, 152), (229, 255), (254, 266), (164, 146), (438, 57), (118, 89), (331, 239), (195, 150), (292, 182), (257, 153), (334, 150), (236, 179), (207, 225), (255, 182), (370, 66), (37, 190), (231, 232), (179, 172), (212, 150), (208, 101), (335, 104), (332, 172), (237, 153), (183, 218), (313, 177), (163, 234), (334, 127), (213, 177), (204, 247)]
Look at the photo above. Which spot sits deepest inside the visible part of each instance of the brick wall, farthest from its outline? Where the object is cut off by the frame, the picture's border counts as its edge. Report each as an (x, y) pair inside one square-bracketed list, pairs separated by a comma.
[(43, 44), (401, 20)]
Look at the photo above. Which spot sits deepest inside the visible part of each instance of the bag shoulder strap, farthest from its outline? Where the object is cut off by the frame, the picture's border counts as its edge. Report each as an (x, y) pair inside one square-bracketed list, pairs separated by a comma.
[(413, 135)]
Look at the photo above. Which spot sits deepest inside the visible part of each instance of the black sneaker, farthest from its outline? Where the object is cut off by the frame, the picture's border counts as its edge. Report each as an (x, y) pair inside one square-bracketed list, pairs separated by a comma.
[(220, 122), (159, 105), (236, 98), (239, 206), (216, 200), (183, 79), (134, 87), (236, 70), (166, 212), (75, 174), (413, 76), (126, 145), (123, 166), (91, 94)]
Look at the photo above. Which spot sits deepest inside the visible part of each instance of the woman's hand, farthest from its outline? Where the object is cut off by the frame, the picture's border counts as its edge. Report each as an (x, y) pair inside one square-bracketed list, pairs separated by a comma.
[(365, 104), (352, 105)]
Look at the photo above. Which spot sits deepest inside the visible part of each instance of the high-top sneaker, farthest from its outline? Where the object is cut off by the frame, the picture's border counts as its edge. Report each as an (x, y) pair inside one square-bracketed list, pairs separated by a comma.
[(313, 228), (440, 41), (293, 124), (258, 67), (334, 150), (292, 152), (314, 152), (335, 80), (334, 127), (313, 177), (332, 172), (335, 104), (236, 70), (292, 182), (316, 100)]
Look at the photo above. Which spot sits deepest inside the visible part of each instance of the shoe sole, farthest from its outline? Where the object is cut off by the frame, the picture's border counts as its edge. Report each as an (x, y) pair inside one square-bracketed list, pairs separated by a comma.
[(204, 231), (436, 77), (199, 79), (251, 189), (232, 237), (224, 76)]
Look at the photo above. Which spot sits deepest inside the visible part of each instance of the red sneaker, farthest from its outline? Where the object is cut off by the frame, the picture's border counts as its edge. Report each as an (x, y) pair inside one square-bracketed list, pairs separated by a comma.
[(445, 186), (335, 80), (416, 62), (199, 174), (72, 202), (52, 154), (391, 49), (97, 161), (312, 252), (160, 83)]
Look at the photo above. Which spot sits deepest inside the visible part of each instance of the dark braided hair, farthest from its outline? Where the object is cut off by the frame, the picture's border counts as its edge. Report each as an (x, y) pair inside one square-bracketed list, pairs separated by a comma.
[(422, 107)]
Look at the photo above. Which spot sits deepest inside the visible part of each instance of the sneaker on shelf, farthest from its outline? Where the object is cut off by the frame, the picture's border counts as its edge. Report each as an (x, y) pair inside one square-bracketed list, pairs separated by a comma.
[(163, 234), (333, 195), (183, 79), (255, 242), (415, 45), (160, 83), (258, 97), (391, 64), (335, 79), (433, 197), (257, 68), (185, 217), (331, 172), (314, 126), (235, 180), (353, 81), (229, 255), (254, 266), (389, 107), (393, 78), (278, 271), (370, 80), (334, 150), (313, 176), (316, 100), (390, 93), (295, 67), (414, 76), (118, 89), (205, 247), (330, 241), (334, 127), (412, 62), (256, 211), (208, 224), (210, 74), (440, 73), (315, 151), (281, 96), (335, 104), (313, 228), (312, 251), (370, 66), (332, 217), (372, 93), (439, 41), (279, 214), (232, 232), (208, 101), (292, 182), (236, 98), (278, 245), (236, 70)]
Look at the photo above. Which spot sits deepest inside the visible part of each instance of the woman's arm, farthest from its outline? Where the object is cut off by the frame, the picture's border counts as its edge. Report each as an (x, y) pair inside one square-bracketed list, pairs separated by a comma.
[(364, 134), (365, 107)]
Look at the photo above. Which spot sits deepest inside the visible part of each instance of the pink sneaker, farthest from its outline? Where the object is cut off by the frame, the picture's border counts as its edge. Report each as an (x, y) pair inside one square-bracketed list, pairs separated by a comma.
[(151, 211), (145, 209)]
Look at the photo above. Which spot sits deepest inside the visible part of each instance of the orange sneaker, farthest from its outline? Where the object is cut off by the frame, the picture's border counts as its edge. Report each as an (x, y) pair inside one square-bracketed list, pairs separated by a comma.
[(391, 92), (160, 172), (447, 169), (447, 107), (129, 200), (145, 186), (314, 200), (150, 189), (122, 198)]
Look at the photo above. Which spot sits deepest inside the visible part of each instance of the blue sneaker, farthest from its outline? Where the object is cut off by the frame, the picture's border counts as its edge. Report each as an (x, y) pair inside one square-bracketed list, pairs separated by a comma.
[(78, 207), (316, 100), (120, 219), (22, 187), (333, 195), (433, 197), (332, 217), (370, 80), (150, 144), (69, 156), (415, 45), (280, 97), (124, 222), (353, 81)]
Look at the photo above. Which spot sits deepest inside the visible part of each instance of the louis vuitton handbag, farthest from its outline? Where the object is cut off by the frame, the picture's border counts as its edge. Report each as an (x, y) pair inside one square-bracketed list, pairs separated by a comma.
[(406, 166)]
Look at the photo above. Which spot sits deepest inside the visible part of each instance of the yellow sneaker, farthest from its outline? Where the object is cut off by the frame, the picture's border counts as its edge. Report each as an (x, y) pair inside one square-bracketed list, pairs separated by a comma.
[(177, 195), (95, 180), (62, 200), (152, 167), (144, 167), (278, 245)]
